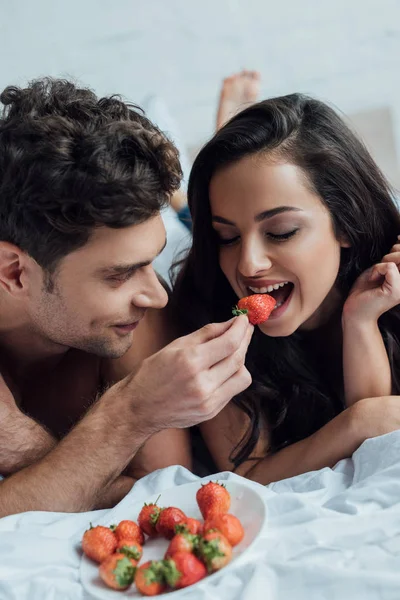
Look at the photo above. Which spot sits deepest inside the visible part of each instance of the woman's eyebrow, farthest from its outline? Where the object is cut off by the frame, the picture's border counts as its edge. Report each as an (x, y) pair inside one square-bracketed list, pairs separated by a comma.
[(266, 214)]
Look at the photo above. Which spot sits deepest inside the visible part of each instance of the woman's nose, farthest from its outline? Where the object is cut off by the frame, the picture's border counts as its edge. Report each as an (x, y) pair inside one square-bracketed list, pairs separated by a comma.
[(253, 259)]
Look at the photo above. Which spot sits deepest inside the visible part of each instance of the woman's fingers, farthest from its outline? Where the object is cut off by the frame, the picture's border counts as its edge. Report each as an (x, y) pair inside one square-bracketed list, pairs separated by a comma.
[(393, 257)]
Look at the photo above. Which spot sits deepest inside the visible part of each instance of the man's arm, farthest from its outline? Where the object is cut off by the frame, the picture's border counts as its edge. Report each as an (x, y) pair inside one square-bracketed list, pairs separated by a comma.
[(186, 383), (22, 440), (168, 447), (73, 475)]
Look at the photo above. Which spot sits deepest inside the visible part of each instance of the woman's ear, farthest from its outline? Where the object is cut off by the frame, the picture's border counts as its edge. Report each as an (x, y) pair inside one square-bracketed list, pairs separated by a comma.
[(344, 242)]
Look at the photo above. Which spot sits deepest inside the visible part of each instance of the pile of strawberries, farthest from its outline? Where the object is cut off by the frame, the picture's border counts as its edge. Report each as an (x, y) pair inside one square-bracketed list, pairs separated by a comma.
[(195, 550)]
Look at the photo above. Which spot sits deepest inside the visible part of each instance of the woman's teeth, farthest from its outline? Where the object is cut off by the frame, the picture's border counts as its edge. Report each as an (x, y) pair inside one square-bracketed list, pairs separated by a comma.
[(268, 289)]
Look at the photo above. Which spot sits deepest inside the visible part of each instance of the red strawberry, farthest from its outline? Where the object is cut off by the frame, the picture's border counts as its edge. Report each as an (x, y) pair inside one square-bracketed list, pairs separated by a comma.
[(130, 548), (257, 307), (128, 530), (148, 518), (182, 542), (215, 550), (213, 498), (183, 569), (149, 578), (98, 542), (169, 517), (193, 526), (118, 571), (228, 525)]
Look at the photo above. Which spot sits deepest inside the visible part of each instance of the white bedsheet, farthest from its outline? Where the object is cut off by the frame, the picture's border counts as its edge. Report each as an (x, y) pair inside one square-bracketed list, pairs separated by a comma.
[(332, 534)]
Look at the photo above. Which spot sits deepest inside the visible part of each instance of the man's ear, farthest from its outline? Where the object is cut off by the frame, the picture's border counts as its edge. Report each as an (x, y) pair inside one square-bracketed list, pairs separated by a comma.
[(13, 269)]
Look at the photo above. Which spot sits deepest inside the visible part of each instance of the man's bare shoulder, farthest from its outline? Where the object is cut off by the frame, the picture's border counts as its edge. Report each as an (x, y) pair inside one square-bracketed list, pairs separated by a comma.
[(155, 331)]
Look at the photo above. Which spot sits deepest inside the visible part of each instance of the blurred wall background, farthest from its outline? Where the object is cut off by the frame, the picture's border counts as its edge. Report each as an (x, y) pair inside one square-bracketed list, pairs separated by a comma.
[(344, 51)]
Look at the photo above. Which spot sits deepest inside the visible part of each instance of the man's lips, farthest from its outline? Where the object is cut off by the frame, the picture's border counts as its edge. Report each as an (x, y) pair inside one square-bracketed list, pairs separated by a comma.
[(127, 326)]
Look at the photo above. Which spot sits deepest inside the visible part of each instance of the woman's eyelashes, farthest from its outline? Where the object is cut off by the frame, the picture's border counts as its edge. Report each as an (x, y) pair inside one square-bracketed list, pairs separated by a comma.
[(282, 236), (276, 237), (227, 241)]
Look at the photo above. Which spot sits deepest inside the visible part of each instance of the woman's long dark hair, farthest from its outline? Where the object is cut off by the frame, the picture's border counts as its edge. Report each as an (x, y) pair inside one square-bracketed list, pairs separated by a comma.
[(289, 390)]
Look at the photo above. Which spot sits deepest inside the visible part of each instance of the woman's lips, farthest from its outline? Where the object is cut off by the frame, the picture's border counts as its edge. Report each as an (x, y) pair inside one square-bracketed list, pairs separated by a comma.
[(280, 309)]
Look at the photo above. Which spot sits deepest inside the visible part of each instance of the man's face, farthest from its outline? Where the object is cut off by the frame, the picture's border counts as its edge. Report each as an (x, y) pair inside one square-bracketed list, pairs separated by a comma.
[(101, 291)]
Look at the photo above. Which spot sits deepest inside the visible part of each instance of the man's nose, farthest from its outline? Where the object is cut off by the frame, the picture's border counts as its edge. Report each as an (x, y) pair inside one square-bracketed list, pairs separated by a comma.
[(152, 294)]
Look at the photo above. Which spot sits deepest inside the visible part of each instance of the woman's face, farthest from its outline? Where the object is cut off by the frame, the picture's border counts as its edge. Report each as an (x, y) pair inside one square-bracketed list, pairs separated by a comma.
[(276, 236)]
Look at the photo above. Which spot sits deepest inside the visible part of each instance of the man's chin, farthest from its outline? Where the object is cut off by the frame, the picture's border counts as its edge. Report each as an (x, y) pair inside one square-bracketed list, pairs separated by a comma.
[(108, 349)]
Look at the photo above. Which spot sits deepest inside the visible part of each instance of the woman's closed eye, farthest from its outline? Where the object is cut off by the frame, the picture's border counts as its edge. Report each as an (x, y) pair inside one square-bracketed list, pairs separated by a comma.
[(281, 237), (277, 237), (227, 241)]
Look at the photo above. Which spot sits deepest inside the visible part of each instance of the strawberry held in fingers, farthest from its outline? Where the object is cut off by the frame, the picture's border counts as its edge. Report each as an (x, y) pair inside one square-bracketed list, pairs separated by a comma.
[(213, 498), (183, 569), (168, 519), (98, 543), (118, 571), (257, 307)]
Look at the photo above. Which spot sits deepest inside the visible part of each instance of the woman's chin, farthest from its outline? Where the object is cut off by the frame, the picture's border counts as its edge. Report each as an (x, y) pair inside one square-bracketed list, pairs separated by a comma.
[(275, 329)]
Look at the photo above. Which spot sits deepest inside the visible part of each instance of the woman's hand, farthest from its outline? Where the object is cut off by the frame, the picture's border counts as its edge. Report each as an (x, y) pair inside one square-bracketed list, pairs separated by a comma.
[(376, 291)]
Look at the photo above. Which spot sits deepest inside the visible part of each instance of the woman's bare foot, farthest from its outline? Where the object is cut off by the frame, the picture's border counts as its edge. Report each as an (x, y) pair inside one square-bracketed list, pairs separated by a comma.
[(238, 92)]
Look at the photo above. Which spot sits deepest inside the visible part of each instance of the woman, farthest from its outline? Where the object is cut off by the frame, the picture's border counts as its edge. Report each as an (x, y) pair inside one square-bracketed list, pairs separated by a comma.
[(286, 200)]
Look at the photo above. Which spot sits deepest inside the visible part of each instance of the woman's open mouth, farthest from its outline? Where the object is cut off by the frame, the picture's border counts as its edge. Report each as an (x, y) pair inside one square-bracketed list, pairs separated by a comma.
[(282, 292)]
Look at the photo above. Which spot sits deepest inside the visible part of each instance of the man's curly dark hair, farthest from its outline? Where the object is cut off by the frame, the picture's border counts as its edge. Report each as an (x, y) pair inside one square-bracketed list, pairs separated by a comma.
[(70, 162)]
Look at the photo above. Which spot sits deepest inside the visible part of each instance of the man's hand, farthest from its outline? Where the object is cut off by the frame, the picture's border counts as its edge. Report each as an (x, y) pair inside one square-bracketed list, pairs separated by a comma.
[(191, 379)]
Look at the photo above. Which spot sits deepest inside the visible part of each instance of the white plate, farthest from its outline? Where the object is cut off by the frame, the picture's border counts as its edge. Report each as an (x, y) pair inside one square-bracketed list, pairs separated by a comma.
[(246, 504)]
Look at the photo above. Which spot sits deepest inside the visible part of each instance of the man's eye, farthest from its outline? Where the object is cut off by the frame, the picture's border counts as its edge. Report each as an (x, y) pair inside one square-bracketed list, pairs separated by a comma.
[(120, 278), (282, 236)]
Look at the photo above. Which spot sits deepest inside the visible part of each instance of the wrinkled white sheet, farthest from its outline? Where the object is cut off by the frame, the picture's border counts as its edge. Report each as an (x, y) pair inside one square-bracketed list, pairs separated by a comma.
[(331, 534)]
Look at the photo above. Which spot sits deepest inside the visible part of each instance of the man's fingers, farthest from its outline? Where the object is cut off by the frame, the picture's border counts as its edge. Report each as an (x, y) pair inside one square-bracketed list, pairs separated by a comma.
[(233, 386), (227, 367), (219, 348), (209, 332)]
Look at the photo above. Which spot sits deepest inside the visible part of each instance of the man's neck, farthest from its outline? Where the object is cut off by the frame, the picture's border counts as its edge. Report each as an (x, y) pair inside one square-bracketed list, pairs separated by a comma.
[(23, 348)]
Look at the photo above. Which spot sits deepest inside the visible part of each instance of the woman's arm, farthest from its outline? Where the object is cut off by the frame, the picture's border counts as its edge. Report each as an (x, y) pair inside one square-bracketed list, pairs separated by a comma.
[(338, 439), (366, 367)]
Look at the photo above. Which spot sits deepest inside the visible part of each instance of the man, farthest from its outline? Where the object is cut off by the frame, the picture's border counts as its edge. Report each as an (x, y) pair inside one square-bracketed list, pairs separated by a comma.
[(85, 408)]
